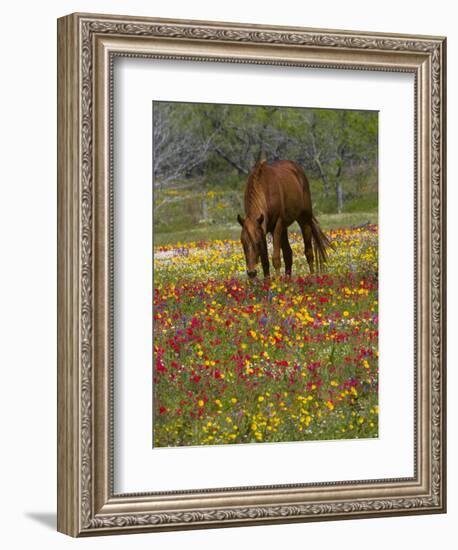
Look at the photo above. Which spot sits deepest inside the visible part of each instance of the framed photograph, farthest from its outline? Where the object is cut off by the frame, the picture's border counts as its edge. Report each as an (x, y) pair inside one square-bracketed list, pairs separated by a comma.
[(251, 289)]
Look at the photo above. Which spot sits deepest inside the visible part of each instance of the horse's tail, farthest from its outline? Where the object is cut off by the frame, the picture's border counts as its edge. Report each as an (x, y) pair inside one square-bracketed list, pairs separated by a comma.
[(321, 244)]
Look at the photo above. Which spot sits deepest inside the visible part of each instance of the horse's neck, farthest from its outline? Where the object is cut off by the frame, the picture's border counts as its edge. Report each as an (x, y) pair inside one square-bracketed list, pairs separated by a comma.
[(254, 211), (255, 201)]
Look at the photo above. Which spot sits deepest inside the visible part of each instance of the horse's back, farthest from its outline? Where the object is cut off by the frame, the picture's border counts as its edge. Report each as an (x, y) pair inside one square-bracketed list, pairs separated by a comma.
[(287, 189)]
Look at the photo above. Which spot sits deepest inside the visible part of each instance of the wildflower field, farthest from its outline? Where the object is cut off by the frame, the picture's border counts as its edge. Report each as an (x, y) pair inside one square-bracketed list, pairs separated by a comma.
[(242, 362)]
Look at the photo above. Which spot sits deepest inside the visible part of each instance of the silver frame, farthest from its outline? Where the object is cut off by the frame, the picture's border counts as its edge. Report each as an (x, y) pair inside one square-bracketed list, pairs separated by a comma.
[(87, 45)]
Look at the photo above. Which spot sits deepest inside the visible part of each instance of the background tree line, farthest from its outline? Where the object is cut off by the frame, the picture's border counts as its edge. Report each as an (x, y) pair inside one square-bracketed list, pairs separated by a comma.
[(212, 148)]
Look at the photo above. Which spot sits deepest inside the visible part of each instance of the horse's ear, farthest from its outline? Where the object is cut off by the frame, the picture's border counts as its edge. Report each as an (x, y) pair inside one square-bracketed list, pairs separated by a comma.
[(261, 219), (240, 220)]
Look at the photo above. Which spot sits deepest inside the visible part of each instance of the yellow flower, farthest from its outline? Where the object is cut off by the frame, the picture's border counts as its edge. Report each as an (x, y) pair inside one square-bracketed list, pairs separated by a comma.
[(200, 403), (261, 398)]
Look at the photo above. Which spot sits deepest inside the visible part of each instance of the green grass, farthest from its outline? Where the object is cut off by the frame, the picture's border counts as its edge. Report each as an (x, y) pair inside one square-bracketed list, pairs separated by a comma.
[(192, 210), (232, 230), (249, 362)]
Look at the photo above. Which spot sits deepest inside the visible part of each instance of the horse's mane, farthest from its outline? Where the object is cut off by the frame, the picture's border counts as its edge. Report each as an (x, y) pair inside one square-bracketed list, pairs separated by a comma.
[(255, 198)]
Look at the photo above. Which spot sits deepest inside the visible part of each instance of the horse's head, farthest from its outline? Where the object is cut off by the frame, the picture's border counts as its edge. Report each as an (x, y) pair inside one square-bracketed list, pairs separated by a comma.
[(253, 241)]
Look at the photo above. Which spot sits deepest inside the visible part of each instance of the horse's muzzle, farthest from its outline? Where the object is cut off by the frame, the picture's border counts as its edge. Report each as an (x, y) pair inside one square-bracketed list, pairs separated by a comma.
[(251, 274)]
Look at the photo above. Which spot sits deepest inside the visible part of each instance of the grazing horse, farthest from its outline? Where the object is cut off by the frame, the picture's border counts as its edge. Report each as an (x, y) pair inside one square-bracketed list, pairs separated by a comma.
[(276, 195)]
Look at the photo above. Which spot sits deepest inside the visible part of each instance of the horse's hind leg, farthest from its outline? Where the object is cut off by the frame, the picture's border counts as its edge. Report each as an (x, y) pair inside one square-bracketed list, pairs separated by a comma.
[(306, 230), (287, 252)]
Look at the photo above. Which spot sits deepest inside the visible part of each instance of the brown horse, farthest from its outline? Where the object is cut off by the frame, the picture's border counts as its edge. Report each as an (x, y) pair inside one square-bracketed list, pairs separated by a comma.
[(276, 195)]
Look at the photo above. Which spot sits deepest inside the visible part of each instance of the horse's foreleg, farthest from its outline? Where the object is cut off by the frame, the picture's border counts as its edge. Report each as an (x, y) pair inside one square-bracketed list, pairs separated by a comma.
[(265, 264), (287, 252), (306, 230), (276, 241)]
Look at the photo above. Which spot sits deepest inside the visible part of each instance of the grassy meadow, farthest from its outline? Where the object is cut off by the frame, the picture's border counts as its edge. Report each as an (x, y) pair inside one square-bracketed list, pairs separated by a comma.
[(292, 359), (241, 362)]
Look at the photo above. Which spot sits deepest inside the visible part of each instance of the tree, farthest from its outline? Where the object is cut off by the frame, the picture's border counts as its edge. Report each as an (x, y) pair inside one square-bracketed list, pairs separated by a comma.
[(337, 139), (177, 145), (203, 141)]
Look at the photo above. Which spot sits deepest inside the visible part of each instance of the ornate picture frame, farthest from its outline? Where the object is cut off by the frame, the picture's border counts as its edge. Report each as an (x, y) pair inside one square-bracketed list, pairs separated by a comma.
[(87, 46)]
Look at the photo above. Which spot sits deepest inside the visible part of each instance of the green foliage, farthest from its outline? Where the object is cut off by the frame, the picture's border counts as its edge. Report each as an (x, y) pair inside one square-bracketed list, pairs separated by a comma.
[(201, 147)]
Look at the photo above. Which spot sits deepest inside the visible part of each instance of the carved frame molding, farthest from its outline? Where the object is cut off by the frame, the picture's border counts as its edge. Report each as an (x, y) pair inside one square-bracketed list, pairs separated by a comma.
[(87, 46)]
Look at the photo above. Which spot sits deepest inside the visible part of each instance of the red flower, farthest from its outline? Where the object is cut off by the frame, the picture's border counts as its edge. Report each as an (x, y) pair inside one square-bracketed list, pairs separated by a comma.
[(160, 366)]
